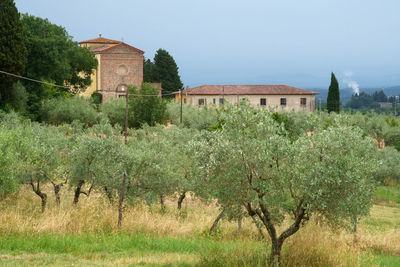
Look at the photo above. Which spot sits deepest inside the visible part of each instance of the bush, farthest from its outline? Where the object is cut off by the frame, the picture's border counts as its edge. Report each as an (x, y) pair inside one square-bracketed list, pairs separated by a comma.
[(145, 106), (97, 98), (114, 109), (389, 169), (66, 110), (192, 117)]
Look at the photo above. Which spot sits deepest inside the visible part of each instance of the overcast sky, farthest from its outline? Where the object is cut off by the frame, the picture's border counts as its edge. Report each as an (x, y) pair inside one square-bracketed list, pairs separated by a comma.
[(247, 42)]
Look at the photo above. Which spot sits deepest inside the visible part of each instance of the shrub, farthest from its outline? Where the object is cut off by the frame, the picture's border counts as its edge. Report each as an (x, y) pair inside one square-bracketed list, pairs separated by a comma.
[(66, 110), (145, 106), (389, 165), (192, 117), (114, 109)]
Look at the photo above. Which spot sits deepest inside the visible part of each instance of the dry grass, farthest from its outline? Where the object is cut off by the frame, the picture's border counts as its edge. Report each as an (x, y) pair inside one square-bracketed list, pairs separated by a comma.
[(20, 214), (312, 246)]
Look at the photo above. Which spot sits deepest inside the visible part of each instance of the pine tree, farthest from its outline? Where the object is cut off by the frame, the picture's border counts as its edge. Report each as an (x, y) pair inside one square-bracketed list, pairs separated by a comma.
[(166, 72), (12, 48), (148, 71), (333, 101)]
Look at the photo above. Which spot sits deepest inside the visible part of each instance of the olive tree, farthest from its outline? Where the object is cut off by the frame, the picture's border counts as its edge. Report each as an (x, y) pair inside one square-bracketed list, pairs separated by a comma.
[(8, 162), (93, 158), (38, 151), (157, 148), (252, 162)]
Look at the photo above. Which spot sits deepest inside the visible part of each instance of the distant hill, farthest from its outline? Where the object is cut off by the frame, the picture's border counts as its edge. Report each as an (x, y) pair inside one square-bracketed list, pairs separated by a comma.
[(346, 93)]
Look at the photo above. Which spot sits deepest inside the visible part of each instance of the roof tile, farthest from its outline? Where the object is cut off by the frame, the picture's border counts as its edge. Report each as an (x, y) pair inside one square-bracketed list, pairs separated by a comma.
[(247, 90)]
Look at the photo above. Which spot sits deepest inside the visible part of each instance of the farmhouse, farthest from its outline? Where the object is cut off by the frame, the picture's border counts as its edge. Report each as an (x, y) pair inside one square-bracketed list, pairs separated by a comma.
[(272, 96), (119, 65)]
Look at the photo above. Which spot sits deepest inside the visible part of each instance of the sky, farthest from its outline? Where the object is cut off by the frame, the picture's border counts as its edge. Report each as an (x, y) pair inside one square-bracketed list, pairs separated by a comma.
[(291, 42)]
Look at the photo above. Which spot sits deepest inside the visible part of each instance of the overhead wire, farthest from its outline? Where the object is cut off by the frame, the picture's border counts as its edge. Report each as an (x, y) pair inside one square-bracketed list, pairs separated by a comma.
[(65, 87)]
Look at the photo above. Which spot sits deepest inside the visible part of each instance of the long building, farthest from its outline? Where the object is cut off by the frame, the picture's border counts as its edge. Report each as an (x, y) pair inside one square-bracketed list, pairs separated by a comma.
[(264, 96)]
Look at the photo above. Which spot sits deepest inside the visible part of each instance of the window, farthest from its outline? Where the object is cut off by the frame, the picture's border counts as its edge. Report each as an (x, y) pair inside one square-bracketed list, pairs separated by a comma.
[(221, 101), (184, 100), (263, 101), (283, 101), (214, 101), (201, 101), (303, 102)]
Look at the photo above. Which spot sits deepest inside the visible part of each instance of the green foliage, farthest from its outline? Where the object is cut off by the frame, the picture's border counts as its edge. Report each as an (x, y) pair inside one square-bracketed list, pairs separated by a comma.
[(333, 100), (145, 106), (296, 123), (389, 169), (53, 56), (165, 71), (8, 161), (192, 117), (387, 194), (148, 71), (253, 162), (98, 158), (12, 49), (114, 109), (97, 98), (392, 137), (18, 102), (379, 96), (363, 101), (66, 110)]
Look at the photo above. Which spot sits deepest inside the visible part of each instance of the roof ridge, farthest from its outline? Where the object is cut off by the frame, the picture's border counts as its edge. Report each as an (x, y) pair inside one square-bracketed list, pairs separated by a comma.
[(104, 48)]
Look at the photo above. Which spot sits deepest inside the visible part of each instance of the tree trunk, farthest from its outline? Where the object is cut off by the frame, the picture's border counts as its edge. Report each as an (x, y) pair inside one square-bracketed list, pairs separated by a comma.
[(43, 196), (109, 195), (180, 199), (275, 257), (44, 201), (258, 227), (355, 240), (162, 203), (216, 221), (57, 188), (121, 201), (78, 191)]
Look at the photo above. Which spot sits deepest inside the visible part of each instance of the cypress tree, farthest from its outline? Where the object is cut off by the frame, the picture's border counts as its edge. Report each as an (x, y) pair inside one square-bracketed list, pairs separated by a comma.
[(12, 48), (166, 71), (333, 100)]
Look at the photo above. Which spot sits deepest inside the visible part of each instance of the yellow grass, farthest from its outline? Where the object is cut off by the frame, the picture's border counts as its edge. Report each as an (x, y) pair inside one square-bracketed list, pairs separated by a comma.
[(314, 245)]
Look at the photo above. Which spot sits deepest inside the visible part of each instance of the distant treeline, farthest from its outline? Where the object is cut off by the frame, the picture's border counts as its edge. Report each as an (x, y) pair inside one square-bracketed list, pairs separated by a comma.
[(365, 101)]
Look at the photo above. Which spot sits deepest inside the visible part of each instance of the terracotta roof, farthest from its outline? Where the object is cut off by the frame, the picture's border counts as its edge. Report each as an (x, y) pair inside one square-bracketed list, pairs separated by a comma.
[(100, 40), (105, 48), (246, 90)]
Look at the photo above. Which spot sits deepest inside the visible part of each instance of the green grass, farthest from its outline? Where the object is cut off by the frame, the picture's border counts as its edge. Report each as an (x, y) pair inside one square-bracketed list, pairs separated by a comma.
[(118, 249), (387, 194), (382, 260)]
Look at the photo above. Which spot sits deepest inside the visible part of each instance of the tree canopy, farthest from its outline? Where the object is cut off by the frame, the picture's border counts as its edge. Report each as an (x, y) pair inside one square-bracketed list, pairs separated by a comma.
[(12, 48), (333, 100), (145, 106), (54, 57), (252, 162), (164, 70)]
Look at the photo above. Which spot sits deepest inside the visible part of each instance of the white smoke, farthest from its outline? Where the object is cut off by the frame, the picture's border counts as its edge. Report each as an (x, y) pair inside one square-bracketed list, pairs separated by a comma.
[(351, 83)]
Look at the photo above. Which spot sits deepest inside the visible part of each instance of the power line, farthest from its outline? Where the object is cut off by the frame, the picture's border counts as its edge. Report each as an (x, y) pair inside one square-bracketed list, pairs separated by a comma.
[(33, 80), (61, 86)]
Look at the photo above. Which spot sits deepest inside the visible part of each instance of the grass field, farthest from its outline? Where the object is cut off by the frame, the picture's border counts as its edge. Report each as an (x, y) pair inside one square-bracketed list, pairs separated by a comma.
[(87, 236)]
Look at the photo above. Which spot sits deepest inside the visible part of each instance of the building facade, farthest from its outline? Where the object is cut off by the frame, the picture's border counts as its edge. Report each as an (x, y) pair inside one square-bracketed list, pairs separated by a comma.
[(280, 97), (119, 65)]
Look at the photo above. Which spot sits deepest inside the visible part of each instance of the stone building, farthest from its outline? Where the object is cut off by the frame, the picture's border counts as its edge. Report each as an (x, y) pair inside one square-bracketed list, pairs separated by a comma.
[(264, 96), (119, 65)]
